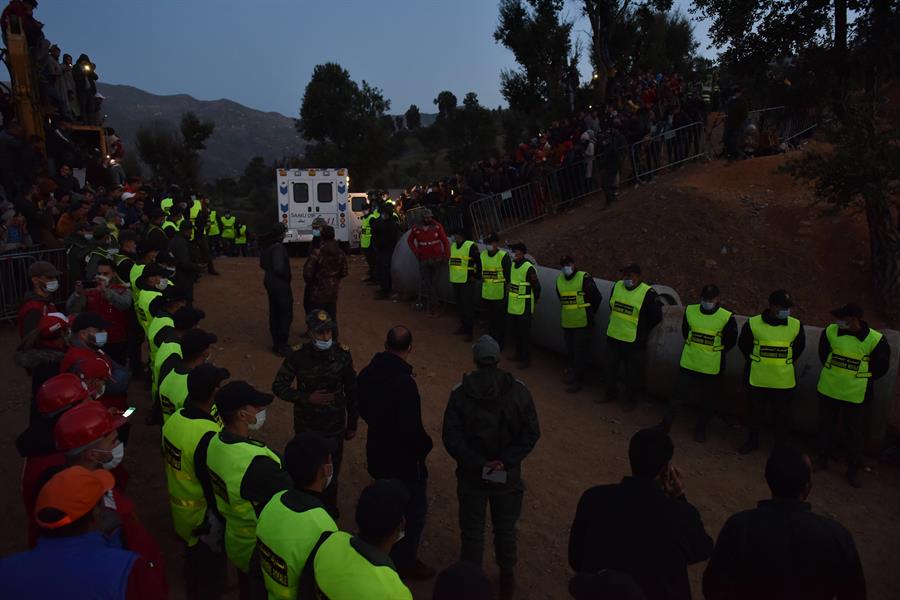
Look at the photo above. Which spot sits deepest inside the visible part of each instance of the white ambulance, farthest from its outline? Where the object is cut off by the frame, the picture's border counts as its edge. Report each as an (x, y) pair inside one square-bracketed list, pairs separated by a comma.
[(307, 194)]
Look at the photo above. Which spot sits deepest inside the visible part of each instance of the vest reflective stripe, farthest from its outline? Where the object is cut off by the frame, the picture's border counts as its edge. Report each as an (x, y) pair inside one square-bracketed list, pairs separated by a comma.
[(157, 325), (284, 540), (520, 290), (365, 232), (625, 310), (167, 225), (213, 224), (241, 237), (227, 465), (166, 204), (702, 350), (572, 301), (180, 437), (459, 262), (846, 373), (136, 271), (493, 280), (163, 353), (342, 573), (228, 227), (142, 308), (772, 359), (173, 391)]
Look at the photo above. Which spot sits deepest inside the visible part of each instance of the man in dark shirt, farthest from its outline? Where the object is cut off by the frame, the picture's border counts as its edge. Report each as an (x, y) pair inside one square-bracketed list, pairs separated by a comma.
[(273, 258), (398, 444), (386, 232), (782, 550), (642, 526)]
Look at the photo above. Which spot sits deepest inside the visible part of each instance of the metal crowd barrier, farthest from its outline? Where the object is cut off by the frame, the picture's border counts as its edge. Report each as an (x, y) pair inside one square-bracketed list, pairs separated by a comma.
[(667, 149), (450, 216), (14, 280)]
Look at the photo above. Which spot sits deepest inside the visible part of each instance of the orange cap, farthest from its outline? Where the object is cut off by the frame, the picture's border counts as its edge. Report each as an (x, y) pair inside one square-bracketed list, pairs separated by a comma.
[(69, 495)]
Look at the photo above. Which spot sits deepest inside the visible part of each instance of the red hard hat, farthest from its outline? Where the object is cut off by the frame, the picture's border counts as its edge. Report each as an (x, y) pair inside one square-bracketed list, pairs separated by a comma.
[(85, 423), (61, 392), (94, 368), (53, 325)]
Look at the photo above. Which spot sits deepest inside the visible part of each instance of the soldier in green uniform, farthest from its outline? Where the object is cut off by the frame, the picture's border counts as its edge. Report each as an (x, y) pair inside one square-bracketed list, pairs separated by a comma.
[(324, 398), (490, 426)]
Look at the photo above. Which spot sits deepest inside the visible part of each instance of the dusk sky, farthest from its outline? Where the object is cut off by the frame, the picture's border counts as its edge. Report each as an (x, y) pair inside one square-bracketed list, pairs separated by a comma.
[(261, 53)]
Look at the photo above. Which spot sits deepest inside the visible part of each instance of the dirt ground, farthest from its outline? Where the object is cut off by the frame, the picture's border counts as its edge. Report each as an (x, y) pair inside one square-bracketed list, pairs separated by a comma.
[(582, 443)]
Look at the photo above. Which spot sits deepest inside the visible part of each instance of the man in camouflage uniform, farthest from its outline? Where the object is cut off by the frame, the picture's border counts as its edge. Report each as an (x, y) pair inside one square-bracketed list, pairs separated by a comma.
[(322, 273), (325, 396)]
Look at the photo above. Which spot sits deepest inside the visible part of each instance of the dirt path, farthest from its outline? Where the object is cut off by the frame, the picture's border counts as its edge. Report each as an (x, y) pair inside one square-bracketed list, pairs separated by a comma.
[(583, 444)]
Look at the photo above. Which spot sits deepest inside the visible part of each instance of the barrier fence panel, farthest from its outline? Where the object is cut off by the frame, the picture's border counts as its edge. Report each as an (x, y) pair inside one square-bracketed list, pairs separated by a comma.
[(14, 280), (667, 149)]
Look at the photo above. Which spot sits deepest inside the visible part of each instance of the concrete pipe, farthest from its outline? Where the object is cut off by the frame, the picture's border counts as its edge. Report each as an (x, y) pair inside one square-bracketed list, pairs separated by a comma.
[(665, 345)]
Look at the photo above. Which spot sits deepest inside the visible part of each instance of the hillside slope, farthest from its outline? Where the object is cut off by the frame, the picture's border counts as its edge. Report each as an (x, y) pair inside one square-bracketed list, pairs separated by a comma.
[(241, 132), (743, 226)]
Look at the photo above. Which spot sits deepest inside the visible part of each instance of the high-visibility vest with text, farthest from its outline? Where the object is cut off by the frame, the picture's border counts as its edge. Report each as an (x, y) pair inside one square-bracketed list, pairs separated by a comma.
[(342, 573), (572, 301), (228, 227), (460, 266), (846, 373), (173, 391), (520, 290), (493, 280), (625, 310), (702, 350), (365, 231), (213, 224), (772, 358), (142, 307)]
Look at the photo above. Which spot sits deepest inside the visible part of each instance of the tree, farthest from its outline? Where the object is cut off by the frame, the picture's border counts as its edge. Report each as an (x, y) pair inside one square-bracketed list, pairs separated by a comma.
[(446, 103), (471, 133), (541, 41), (413, 117), (174, 156), (347, 121)]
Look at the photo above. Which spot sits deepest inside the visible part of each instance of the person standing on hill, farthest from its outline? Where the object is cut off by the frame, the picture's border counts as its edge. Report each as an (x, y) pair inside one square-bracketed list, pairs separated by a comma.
[(386, 232), (274, 260), (579, 300), (323, 271), (431, 247), (465, 269), (524, 294), (496, 266)]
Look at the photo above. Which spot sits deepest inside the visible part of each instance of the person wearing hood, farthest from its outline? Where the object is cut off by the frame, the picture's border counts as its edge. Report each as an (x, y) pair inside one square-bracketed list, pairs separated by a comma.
[(275, 263), (490, 426), (41, 352), (323, 271), (325, 396), (39, 301), (397, 443)]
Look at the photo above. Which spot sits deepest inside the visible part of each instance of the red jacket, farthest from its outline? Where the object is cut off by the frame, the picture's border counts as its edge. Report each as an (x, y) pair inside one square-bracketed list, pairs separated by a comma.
[(30, 312), (117, 320), (429, 242)]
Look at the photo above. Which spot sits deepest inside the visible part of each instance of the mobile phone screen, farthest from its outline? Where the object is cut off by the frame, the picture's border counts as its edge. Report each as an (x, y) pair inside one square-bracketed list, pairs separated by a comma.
[(129, 411)]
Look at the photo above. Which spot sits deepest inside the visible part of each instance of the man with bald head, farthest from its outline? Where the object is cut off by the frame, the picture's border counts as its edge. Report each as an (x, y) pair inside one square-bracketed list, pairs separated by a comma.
[(398, 443)]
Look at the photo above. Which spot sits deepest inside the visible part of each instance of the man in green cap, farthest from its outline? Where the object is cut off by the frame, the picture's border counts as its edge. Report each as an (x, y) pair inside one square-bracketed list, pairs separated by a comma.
[(324, 398)]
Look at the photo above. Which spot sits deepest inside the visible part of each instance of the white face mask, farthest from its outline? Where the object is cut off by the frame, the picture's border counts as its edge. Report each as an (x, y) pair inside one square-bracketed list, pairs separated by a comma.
[(100, 339), (842, 324), (112, 251), (706, 305), (163, 284), (629, 283), (567, 270), (51, 286), (116, 456), (89, 236), (260, 421), (784, 313), (104, 279), (323, 344)]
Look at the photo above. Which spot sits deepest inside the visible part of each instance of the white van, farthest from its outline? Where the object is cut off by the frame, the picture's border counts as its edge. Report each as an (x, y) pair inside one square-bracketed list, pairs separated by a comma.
[(307, 194)]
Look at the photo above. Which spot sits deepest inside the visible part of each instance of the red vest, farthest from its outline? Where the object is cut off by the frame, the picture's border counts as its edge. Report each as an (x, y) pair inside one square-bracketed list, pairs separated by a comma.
[(27, 307), (117, 320)]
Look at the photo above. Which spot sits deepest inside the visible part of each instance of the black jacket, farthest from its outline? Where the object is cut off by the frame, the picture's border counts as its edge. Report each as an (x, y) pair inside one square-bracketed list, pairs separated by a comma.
[(636, 528), (275, 262), (389, 402), (783, 551), (386, 233)]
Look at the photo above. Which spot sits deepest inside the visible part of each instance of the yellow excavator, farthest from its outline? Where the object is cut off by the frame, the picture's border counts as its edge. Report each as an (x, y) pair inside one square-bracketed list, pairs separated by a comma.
[(25, 96)]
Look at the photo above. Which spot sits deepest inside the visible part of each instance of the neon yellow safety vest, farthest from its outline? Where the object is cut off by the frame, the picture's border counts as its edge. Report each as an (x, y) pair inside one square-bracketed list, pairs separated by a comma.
[(459, 262), (365, 231), (136, 271), (180, 437), (624, 311), (166, 204), (342, 573), (195, 209), (213, 224), (163, 353), (703, 348), (772, 359), (173, 392), (142, 308), (572, 301), (157, 325), (287, 531), (167, 225), (520, 290), (493, 279), (846, 373), (241, 238), (228, 227), (227, 464)]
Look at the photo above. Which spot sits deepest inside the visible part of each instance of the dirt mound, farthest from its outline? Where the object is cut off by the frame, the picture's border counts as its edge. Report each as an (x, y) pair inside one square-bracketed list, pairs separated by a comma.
[(743, 225)]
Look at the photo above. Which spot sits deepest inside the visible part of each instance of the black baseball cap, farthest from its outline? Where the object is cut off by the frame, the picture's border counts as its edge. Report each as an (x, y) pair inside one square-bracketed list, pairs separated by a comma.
[(195, 341), (154, 270), (633, 268), (566, 260), (492, 238), (165, 258), (173, 294), (710, 291), (520, 247), (304, 455), (236, 394), (88, 319), (381, 508), (781, 298), (204, 379), (848, 311), (187, 317)]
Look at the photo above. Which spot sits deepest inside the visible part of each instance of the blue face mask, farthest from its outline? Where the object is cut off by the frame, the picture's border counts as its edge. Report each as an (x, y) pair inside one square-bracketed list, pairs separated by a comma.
[(706, 305), (316, 233), (568, 270), (629, 283), (323, 344), (784, 313)]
